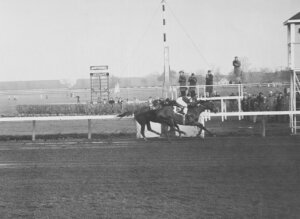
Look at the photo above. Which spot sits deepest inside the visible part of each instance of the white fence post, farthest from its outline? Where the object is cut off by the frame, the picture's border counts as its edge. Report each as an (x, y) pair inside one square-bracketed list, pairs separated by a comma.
[(225, 109), (263, 126), (222, 109), (89, 129), (239, 100), (33, 130)]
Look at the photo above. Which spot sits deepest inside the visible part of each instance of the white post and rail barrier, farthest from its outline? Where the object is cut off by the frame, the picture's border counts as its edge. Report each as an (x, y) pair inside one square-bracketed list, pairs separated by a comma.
[(206, 115), (61, 118)]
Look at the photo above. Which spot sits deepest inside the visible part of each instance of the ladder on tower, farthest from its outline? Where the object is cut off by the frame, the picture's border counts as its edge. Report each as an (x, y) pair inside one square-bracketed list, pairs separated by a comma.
[(295, 101), (99, 82), (297, 93)]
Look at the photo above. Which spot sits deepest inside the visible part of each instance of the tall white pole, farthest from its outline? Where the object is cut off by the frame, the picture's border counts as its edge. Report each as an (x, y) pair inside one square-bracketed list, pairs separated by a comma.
[(166, 84)]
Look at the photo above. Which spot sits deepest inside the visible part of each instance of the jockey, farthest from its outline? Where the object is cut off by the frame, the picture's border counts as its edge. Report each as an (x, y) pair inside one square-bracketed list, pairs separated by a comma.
[(184, 102), (156, 103), (150, 103)]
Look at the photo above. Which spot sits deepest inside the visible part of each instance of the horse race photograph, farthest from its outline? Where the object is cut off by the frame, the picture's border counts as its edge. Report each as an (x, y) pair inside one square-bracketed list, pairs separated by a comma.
[(149, 109)]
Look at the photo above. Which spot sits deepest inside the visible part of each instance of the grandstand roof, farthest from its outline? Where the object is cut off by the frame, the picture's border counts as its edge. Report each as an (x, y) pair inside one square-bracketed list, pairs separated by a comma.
[(294, 19)]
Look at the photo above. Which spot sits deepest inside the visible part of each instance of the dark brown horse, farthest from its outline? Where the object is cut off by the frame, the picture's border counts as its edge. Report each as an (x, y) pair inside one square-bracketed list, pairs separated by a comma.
[(163, 113), (193, 113)]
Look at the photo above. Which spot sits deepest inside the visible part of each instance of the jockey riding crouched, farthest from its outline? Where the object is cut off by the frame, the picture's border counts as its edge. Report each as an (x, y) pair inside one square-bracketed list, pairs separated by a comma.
[(184, 101), (150, 103), (157, 103)]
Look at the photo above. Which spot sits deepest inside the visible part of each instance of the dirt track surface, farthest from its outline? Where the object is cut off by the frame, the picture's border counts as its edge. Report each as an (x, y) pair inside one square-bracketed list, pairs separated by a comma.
[(248, 177)]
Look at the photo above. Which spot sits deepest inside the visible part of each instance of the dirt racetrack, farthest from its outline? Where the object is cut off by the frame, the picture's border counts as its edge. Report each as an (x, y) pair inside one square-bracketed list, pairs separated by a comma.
[(226, 177)]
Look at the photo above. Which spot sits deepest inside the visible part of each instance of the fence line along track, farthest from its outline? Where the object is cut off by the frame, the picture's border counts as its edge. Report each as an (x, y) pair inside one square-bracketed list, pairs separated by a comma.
[(61, 118), (206, 115)]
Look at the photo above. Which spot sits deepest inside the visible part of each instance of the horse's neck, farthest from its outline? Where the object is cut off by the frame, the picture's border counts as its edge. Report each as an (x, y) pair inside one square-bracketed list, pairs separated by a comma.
[(196, 111), (164, 109)]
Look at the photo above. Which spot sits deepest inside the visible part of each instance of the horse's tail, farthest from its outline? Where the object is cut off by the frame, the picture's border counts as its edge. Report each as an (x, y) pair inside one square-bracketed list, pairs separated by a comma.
[(125, 114)]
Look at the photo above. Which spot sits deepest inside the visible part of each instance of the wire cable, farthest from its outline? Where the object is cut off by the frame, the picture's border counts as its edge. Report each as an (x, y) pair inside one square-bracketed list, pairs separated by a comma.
[(188, 36), (141, 38)]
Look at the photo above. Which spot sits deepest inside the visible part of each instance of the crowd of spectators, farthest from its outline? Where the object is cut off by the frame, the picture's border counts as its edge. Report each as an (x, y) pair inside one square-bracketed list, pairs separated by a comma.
[(270, 102)]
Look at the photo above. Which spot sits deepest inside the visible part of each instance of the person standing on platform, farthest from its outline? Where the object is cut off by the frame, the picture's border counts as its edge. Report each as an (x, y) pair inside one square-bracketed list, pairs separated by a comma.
[(209, 81), (237, 70), (182, 83), (193, 82)]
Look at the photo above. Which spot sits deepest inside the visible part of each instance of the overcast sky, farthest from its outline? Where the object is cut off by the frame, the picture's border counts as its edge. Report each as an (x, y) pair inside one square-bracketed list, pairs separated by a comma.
[(55, 39)]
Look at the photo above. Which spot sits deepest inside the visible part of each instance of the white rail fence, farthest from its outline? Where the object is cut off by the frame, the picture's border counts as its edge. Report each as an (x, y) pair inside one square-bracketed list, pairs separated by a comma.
[(60, 118), (206, 115)]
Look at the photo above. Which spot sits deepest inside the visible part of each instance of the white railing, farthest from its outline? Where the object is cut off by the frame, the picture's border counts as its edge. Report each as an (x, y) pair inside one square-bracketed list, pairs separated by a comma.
[(61, 118), (205, 115)]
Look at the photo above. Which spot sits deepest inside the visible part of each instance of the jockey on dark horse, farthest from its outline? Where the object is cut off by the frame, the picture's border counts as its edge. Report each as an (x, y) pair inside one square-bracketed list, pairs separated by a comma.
[(161, 112)]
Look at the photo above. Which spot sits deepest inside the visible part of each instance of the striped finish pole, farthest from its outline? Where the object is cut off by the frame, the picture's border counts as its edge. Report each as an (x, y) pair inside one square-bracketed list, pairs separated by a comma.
[(166, 84)]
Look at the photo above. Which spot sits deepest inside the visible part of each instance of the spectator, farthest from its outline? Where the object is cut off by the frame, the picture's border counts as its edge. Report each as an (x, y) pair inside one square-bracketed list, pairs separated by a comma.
[(280, 106), (264, 106), (271, 105), (182, 83), (286, 105), (254, 106), (78, 99), (233, 106), (249, 102), (209, 82), (237, 69), (193, 81), (245, 106), (216, 94), (260, 101), (111, 102), (120, 102)]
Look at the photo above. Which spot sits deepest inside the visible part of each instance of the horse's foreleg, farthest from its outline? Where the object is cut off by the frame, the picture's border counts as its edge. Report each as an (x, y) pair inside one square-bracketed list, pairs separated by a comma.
[(173, 126), (143, 131), (199, 125), (150, 129), (200, 131), (178, 130)]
